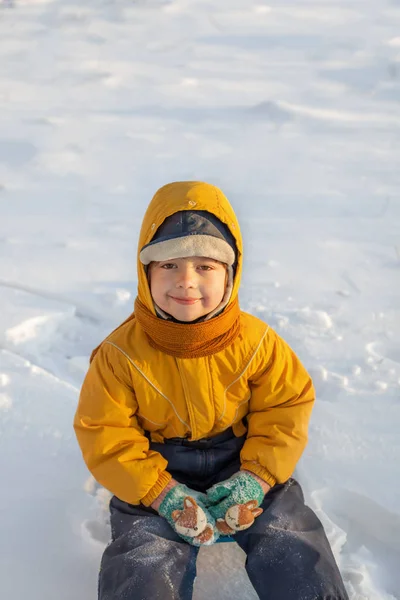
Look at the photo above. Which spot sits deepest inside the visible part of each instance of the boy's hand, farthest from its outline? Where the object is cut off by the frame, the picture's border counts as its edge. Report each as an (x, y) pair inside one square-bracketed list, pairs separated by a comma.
[(242, 489), (186, 512)]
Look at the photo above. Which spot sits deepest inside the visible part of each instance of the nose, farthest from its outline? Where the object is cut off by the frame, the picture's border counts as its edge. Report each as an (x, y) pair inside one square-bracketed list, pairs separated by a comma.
[(186, 278)]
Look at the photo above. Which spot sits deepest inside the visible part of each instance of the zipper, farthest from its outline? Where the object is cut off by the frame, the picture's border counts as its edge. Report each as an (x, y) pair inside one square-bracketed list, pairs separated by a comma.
[(187, 399)]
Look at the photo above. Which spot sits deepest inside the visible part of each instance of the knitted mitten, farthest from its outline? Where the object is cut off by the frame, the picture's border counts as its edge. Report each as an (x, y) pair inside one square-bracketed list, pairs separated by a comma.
[(234, 502), (186, 512)]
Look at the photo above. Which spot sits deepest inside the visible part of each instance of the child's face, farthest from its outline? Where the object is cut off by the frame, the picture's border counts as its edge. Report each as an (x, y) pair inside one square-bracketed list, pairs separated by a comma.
[(187, 288)]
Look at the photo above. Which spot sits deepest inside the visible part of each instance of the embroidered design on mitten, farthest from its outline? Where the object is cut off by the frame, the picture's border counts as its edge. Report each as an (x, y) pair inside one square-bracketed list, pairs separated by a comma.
[(192, 522), (239, 517)]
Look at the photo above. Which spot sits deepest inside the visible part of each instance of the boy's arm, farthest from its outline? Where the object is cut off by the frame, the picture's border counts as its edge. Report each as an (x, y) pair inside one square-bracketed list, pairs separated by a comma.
[(113, 444), (279, 411)]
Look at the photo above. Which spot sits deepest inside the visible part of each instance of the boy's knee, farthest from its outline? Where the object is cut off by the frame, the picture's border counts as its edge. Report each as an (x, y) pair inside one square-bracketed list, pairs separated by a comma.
[(284, 510), (145, 564), (293, 573)]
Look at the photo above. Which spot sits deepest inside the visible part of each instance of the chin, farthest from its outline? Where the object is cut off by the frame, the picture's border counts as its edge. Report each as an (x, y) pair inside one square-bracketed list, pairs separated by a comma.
[(188, 314), (187, 318)]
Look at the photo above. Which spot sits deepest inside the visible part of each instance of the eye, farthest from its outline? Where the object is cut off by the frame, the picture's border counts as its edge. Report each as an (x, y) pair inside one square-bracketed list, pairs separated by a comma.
[(168, 266), (205, 268)]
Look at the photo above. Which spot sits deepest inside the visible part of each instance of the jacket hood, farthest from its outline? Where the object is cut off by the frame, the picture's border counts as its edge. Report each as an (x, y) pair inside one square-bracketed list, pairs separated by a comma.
[(180, 196)]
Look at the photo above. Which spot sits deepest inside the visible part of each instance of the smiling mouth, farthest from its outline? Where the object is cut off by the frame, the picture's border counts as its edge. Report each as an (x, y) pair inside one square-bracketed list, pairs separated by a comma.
[(185, 301)]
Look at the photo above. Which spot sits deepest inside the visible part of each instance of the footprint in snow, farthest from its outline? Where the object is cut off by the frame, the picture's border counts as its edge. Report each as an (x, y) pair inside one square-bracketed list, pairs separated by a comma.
[(370, 540), (384, 352), (97, 529)]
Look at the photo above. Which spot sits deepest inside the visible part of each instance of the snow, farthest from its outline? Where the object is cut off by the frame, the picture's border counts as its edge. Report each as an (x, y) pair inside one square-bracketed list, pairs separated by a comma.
[(293, 110)]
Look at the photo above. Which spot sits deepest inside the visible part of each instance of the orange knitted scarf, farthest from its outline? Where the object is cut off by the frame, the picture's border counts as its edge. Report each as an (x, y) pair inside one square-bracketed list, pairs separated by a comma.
[(186, 340), (190, 340)]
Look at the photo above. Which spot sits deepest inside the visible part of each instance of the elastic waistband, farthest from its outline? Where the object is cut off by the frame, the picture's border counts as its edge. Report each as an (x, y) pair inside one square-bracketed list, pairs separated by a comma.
[(204, 443)]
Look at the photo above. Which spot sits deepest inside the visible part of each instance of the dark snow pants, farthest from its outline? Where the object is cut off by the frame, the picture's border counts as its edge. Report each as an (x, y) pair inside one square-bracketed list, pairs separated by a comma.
[(288, 554)]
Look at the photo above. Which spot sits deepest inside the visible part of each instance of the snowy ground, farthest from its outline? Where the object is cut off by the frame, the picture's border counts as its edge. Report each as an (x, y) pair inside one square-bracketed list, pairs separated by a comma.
[(293, 109)]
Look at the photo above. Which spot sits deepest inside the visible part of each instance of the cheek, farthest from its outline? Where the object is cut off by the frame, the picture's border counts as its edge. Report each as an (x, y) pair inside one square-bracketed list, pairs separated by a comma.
[(217, 289), (157, 284)]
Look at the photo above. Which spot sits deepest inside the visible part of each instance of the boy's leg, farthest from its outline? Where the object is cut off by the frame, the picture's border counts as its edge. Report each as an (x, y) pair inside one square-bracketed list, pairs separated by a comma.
[(288, 554), (146, 559)]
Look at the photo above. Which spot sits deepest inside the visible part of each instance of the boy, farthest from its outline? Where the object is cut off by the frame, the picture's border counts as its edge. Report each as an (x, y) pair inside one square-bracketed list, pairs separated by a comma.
[(192, 398)]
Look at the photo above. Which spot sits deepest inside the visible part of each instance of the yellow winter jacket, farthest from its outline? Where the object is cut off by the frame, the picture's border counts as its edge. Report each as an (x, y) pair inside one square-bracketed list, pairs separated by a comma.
[(257, 385)]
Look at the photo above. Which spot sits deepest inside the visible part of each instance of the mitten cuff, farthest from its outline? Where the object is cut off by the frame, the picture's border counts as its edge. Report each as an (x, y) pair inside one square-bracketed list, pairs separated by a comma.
[(156, 490), (259, 470)]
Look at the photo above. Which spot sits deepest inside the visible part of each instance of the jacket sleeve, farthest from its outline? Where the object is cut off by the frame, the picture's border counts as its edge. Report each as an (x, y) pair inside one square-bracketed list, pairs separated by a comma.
[(113, 444), (282, 397)]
